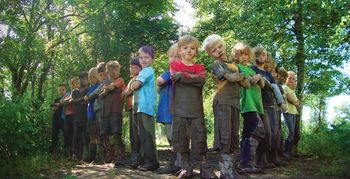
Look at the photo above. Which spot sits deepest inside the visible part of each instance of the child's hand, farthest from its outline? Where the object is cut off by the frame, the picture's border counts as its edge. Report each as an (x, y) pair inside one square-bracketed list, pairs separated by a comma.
[(176, 76), (109, 87), (86, 98), (126, 93)]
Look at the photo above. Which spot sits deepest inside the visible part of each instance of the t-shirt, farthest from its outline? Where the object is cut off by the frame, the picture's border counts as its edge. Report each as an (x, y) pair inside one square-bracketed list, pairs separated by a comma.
[(112, 101), (291, 108), (147, 93), (187, 100), (251, 100), (268, 96), (163, 114), (90, 108), (227, 92)]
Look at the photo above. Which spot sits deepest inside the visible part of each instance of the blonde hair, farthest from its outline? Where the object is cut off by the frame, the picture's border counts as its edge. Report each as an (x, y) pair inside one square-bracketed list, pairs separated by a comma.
[(211, 41), (174, 51), (258, 50), (187, 39), (238, 49), (113, 64), (291, 73), (93, 73), (73, 80)]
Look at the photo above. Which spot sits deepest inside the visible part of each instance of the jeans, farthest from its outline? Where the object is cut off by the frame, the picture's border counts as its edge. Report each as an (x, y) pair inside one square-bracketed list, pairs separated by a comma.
[(289, 119)]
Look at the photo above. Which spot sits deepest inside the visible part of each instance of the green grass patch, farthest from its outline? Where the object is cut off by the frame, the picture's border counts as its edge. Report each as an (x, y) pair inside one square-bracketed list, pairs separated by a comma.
[(37, 166)]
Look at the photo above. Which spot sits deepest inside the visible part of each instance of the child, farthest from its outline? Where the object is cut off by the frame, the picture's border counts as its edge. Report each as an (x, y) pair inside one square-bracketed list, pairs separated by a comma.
[(80, 118), (163, 116), (187, 108), (251, 109), (57, 120), (291, 112), (112, 111), (269, 118), (92, 128), (281, 77), (98, 106), (134, 68), (225, 103), (146, 93), (271, 67), (68, 117)]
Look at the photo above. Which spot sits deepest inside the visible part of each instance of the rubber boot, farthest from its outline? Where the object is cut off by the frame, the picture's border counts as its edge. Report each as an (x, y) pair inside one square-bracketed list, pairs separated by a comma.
[(248, 156), (227, 170)]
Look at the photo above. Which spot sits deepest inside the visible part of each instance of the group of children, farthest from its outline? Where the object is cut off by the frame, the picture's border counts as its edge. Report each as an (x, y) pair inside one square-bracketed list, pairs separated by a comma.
[(249, 85)]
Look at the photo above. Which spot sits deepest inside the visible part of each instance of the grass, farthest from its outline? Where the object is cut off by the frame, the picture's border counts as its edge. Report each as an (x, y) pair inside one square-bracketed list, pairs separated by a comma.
[(36, 166)]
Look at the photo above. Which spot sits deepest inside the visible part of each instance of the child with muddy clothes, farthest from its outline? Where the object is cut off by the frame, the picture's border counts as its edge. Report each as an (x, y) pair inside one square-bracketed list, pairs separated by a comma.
[(251, 108), (225, 103), (112, 111), (187, 109)]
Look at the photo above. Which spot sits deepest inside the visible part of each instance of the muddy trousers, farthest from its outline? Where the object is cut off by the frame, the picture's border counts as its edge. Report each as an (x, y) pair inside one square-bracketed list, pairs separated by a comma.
[(253, 133), (110, 149)]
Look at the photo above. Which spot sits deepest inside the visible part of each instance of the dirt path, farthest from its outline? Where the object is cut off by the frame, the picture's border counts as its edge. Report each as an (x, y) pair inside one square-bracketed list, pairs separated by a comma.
[(301, 167)]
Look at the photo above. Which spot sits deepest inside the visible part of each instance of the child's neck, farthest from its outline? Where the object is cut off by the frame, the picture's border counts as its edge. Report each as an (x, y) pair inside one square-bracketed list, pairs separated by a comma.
[(245, 63), (188, 62), (224, 59), (260, 66)]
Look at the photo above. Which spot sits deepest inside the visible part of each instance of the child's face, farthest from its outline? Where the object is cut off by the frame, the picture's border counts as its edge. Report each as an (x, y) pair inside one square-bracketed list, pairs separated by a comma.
[(291, 80), (260, 59), (102, 76), (218, 51), (75, 84), (243, 57), (84, 81), (62, 90), (188, 51), (145, 59), (134, 70), (114, 73), (173, 54), (281, 78)]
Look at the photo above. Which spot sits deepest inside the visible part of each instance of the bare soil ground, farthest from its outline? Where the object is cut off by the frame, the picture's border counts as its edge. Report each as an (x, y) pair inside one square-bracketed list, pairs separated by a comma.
[(298, 168)]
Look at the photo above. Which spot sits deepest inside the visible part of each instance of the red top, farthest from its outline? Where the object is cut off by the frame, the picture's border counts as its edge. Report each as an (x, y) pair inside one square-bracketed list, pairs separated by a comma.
[(187, 70)]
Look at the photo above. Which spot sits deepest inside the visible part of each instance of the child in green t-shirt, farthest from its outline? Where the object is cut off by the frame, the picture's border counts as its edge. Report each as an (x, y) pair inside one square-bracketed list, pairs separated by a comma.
[(251, 108)]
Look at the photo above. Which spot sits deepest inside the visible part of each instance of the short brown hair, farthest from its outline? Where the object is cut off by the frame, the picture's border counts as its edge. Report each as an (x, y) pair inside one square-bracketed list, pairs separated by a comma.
[(187, 39), (113, 64), (258, 50), (62, 85)]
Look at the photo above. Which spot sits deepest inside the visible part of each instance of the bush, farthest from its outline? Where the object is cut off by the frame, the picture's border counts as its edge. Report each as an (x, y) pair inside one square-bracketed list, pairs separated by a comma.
[(331, 145), (24, 131)]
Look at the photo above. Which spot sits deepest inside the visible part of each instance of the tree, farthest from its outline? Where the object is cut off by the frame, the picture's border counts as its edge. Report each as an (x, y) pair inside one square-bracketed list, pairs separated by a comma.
[(309, 37)]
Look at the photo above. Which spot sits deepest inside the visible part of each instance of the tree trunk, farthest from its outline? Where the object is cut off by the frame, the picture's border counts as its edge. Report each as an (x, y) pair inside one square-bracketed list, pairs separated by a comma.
[(300, 63)]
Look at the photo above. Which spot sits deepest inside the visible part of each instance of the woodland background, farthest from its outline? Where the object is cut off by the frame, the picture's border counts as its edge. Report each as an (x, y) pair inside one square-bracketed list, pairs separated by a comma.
[(46, 42)]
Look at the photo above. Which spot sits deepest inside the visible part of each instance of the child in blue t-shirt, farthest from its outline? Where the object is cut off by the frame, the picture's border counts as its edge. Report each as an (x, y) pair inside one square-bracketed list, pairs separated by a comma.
[(146, 92), (164, 83)]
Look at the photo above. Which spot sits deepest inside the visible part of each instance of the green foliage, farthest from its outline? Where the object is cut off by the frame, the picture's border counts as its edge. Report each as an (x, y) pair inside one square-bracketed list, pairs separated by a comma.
[(324, 31), (330, 143), (23, 130)]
